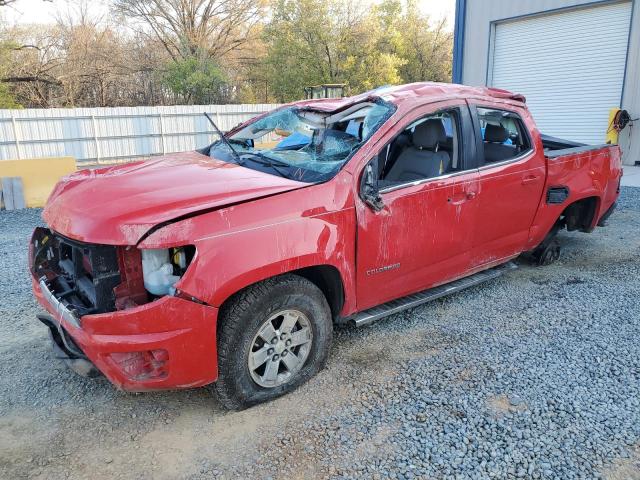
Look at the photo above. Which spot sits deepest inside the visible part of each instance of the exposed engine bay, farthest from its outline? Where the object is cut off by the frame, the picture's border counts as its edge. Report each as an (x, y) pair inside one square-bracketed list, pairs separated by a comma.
[(91, 279)]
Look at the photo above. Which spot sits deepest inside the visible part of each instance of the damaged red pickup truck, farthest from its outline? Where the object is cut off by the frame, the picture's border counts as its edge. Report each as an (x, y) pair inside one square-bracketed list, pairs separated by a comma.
[(231, 264)]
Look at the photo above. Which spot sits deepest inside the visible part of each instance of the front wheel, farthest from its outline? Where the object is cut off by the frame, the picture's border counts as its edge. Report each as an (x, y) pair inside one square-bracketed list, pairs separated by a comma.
[(272, 337)]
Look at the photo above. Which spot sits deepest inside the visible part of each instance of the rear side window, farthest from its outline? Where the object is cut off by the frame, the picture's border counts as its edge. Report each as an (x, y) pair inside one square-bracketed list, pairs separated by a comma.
[(504, 136)]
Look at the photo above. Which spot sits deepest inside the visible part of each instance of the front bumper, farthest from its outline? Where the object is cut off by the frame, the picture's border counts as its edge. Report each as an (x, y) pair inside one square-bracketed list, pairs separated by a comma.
[(166, 344)]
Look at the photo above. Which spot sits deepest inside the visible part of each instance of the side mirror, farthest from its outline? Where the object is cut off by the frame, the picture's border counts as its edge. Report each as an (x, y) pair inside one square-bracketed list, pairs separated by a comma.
[(369, 189)]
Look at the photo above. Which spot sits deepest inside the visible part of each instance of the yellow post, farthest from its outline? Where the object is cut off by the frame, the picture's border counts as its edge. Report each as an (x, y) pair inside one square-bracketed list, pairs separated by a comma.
[(612, 133), (39, 175)]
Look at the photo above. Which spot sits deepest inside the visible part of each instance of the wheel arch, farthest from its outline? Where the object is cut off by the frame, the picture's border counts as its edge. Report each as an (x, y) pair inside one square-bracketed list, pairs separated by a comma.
[(324, 276), (581, 214), (328, 279), (577, 213)]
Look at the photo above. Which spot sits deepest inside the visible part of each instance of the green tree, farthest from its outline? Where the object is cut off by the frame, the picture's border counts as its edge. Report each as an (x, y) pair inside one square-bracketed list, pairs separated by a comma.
[(369, 57), (195, 79), (312, 42), (299, 47), (7, 98), (427, 48)]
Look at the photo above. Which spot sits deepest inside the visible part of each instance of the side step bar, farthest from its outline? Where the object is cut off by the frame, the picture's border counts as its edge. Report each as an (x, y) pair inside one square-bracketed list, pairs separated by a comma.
[(410, 301)]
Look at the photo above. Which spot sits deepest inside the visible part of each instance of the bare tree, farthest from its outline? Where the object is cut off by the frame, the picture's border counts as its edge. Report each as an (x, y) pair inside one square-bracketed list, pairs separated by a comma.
[(216, 51), (35, 59), (189, 27), (82, 65), (4, 3)]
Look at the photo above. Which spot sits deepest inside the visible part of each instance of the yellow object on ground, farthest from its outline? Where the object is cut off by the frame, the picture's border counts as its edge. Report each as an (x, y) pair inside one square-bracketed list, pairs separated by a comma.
[(39, 175), (612, 133)]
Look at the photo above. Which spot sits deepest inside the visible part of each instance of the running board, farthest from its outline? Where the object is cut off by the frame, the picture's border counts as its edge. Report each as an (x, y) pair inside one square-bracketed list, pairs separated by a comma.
[(410, 301)]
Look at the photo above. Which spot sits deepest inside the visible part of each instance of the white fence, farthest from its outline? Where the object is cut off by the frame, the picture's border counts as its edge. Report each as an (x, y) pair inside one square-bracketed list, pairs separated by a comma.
[(107, 135)]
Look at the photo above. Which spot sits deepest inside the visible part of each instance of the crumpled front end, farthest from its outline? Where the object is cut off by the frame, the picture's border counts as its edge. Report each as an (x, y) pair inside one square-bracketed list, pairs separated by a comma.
[(101, 315)]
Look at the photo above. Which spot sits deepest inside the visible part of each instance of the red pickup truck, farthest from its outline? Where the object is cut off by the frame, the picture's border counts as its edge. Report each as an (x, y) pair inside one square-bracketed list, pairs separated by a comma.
[(231, 264)]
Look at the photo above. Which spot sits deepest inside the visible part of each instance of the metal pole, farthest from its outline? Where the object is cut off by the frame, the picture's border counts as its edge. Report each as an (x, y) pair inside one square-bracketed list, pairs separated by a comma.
[(95, 137), (162, 137), (16, 138)]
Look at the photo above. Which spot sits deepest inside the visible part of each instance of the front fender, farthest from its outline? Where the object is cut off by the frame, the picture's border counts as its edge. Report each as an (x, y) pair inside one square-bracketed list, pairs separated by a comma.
[(245, 250), (227, 264)]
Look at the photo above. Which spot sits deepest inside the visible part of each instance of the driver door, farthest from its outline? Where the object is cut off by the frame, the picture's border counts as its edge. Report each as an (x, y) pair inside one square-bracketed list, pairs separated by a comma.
[(423, 233)]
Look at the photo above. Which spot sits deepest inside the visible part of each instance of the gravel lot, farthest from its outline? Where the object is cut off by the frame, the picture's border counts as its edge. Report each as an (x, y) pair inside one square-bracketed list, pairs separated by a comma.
[(533, 375)]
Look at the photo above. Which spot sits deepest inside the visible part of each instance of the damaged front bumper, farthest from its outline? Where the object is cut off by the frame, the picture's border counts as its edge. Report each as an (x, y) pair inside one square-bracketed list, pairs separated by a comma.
[(169, 343), (65, 349)]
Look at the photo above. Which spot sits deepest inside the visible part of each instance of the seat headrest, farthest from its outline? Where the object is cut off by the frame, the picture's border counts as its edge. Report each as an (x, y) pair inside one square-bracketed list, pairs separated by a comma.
[(429, 134), (495, 133)]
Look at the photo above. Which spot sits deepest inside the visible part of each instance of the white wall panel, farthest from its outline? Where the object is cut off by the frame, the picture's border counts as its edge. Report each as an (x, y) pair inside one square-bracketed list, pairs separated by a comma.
[(569, 65), (94, 135), (484, 16)]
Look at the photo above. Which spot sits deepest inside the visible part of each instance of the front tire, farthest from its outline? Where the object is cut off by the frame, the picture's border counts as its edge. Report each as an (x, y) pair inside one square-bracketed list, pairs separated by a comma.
[(272, 337)]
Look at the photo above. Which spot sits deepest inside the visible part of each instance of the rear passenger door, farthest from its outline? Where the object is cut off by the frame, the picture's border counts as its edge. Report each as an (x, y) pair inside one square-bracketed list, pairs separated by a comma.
[(511, 177)]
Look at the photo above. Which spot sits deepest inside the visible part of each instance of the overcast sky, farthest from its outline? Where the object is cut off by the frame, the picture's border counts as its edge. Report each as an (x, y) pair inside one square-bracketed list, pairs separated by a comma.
[(39, 11)]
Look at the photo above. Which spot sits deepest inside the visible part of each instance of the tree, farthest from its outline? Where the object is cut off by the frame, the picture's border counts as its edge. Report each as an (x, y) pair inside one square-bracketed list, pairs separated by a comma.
[(197, 80), (427, 49), (187, 28), (33, 62), (326, 41), (222, 51), (7, 98), (367, 58), (299, 47), (82, 61)]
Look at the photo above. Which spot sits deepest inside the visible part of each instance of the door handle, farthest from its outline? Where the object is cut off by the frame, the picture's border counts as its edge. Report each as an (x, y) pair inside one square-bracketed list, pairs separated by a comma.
[(529, 179), (471, 195)]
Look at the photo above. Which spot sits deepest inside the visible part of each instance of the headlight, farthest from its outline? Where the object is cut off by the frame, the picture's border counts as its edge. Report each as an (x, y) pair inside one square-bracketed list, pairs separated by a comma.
[(163, 267)]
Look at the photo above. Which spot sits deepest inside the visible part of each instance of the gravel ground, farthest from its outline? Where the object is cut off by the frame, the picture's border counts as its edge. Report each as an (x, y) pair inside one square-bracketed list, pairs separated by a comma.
[(533, 375)]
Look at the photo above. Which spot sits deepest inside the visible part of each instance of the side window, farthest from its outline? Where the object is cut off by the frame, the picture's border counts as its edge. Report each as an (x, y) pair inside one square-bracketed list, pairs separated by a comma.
[(427, 148), (503, 135)]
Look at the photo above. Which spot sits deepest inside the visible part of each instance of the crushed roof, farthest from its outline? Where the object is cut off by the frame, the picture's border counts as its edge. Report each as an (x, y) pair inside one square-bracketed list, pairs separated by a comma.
[(398, 94)]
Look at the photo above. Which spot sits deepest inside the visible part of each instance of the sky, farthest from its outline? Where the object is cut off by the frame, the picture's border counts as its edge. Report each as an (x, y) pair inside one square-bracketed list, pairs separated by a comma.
[(39, 11)]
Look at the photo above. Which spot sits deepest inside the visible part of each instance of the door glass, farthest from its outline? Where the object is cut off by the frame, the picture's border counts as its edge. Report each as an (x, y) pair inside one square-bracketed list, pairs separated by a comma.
[(503, 135), (427, 148)]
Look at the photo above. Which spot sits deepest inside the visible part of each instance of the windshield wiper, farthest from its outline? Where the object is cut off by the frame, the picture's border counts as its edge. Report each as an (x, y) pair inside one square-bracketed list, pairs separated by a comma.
[(271, 162), (224, 139)]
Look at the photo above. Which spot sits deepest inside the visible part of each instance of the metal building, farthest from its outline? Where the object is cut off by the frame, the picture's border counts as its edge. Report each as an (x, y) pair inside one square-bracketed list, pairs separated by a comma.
[(573, 60)]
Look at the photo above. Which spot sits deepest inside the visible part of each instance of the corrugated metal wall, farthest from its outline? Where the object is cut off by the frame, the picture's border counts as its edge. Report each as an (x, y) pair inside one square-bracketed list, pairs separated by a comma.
[(585, 77), (481, 18), (97, 135)]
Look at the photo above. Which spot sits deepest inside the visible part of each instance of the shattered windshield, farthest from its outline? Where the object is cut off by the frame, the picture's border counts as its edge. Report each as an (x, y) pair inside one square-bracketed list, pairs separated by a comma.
[(303, 144)]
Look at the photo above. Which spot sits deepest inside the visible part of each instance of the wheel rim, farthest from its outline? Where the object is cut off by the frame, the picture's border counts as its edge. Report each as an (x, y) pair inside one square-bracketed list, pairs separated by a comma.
[(280, 348)]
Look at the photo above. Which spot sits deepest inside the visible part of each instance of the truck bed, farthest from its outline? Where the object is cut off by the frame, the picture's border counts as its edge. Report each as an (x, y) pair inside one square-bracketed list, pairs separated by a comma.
[(557, 147), (578, 173)]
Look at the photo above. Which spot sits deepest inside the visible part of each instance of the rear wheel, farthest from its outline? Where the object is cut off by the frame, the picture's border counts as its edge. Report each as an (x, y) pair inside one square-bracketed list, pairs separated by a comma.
[(547, 253), (272, 337)]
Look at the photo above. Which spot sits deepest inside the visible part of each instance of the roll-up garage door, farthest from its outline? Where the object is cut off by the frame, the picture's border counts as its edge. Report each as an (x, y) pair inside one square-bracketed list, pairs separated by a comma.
[(570, 65)]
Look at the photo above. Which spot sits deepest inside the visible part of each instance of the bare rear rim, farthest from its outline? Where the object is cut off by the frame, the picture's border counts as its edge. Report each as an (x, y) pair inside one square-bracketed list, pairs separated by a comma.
[(280, 348)]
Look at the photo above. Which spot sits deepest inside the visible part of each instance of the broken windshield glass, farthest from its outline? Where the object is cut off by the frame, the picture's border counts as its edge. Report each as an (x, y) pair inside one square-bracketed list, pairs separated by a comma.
[(304, 144)]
